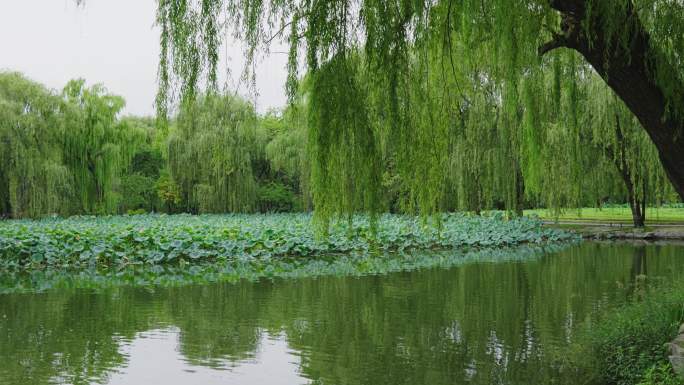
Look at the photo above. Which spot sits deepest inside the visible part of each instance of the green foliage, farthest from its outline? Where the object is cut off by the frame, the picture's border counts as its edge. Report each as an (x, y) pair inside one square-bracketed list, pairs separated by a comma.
[(211, 152), (95, 145), (660, 375), (66, 154), (627, 146), (168, 192), (33, 179), (614, 213), (275, 198), (138, 192), (147, 163), (463, 139), (342, 143), (610, 156), (237, 269), (627, 346), (73, 154), (454, 97), (83, 242), (286, 151)]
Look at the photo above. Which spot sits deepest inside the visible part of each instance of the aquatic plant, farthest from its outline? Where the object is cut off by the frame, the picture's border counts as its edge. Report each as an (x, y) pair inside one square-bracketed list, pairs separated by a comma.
[(252, 269), (118, 241)]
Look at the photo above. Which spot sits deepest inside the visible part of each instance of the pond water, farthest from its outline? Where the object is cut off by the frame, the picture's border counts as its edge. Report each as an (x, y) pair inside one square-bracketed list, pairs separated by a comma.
[(477, 323)]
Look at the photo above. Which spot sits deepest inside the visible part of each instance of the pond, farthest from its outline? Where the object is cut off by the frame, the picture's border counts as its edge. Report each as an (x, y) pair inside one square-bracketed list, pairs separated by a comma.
[(481, 322)]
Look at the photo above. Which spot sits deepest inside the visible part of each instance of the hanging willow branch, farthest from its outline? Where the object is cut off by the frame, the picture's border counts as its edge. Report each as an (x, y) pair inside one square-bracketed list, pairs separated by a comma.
[(497, 46)]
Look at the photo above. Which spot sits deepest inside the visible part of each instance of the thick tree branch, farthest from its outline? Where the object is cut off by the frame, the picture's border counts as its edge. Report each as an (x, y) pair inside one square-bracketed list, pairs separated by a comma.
[(630, 73), (558, 41), (573, 8)]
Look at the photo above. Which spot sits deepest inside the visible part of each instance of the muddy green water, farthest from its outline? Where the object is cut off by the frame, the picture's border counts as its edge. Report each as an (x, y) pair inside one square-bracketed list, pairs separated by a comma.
[(478, 323)]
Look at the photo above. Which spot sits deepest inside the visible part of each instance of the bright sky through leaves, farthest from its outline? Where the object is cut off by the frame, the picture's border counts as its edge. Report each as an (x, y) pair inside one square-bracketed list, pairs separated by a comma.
[(53, 41)]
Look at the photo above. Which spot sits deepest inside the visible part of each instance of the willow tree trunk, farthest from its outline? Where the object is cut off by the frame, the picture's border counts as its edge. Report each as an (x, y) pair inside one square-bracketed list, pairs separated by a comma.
[(636, 204), (618, 154), (638, 207), (519, 192), (5, 204), (630, 74)]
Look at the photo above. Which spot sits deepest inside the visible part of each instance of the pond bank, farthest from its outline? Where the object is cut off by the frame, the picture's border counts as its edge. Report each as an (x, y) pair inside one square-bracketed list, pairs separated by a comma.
[(627, 344), (676, 350), (620, 231)]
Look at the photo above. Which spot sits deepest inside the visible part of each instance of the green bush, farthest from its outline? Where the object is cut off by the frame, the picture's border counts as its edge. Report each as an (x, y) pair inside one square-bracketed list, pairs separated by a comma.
[(275, 197), (138, 192), (627, 346), (168, 192), (147, 163), (660, 375)]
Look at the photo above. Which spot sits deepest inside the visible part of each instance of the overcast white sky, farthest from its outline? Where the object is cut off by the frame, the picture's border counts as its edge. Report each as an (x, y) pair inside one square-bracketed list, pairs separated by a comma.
[(113, 42)]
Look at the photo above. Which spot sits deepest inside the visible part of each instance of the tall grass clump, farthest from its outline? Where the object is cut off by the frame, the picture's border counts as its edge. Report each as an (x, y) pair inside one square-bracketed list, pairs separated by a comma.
[(627, 346)]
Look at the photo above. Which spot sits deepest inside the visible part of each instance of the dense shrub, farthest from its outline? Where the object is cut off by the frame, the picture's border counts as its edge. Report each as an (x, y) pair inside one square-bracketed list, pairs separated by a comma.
[(627, 346), (275, 197), (148, 163), (138, 192), (660, 375)]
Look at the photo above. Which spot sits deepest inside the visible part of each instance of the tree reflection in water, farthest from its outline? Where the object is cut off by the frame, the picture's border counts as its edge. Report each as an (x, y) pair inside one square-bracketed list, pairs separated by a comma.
[(480, 322)]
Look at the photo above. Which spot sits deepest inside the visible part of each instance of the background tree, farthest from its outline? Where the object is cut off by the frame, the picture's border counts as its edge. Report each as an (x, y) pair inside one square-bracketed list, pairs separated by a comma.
[(138, 181), (33, 179), (211, 150), (285, 187), (636, 50), (96, 145), (626, 145)]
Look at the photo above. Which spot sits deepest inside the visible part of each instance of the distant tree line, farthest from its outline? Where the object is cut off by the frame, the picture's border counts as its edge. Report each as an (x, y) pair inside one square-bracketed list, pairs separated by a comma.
[(73, 152)]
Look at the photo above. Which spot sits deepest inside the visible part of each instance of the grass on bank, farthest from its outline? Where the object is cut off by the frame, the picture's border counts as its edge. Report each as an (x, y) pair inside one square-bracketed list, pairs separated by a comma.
[(654, 215), (626, 346)]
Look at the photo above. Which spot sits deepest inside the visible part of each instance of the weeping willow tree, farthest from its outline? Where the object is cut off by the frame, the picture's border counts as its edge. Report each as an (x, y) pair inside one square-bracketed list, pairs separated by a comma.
[(287, 152), (71, 153), (33, 180), (627, 147), (96, 145), (342, 141), (561, 165), (62, 154), (581, 145), (502, 46), (211, 152), (456, 148)]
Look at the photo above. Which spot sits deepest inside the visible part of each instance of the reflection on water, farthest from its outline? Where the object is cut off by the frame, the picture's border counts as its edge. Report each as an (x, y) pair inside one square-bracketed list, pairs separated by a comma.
[(153, 358), (478, 323)]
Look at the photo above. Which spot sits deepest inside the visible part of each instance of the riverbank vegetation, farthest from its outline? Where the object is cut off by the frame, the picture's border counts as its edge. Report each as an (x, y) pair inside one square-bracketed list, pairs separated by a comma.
[(626, 345), (240, 270)]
